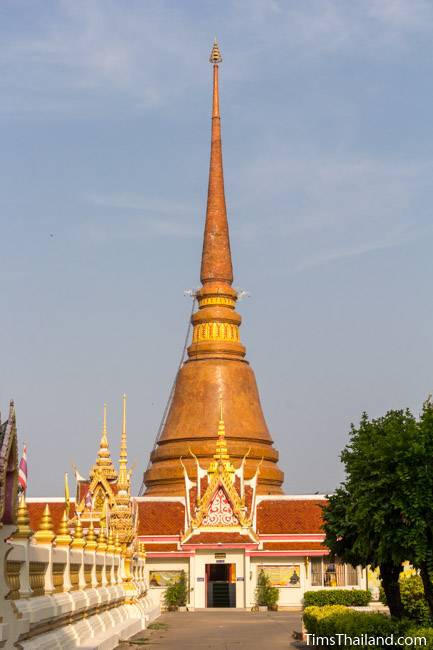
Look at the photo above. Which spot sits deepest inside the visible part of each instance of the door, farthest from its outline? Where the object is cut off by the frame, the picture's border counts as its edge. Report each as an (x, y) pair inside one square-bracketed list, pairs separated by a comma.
[(220, 585)]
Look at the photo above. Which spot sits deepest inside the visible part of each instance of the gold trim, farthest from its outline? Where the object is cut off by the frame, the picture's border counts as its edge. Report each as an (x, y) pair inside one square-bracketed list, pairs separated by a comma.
[(216, 300), (216, 332)]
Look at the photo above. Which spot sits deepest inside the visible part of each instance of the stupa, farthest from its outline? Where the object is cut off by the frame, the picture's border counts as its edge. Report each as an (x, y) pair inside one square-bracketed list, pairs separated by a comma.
[(216, 368)]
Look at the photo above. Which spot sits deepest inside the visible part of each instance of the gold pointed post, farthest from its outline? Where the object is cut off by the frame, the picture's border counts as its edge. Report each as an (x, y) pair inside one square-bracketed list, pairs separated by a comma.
[(23, 528), (91, 543), (63, 537), (111, 547), (78, 541), (45, 534), (102, 541)]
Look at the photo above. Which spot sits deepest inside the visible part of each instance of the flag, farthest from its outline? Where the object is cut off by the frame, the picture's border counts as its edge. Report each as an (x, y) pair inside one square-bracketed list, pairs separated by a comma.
[(22, 470), (201, 473), (188, 485), (67, 493), (77, 474), (88, 501)]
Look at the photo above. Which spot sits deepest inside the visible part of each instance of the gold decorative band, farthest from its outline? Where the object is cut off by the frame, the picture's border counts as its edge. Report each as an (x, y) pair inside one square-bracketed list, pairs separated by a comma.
[(215, 332), (216, 300)]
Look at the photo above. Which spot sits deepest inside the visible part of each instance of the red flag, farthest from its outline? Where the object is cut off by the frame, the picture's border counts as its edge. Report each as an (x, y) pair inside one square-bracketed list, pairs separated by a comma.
[(22, 470)]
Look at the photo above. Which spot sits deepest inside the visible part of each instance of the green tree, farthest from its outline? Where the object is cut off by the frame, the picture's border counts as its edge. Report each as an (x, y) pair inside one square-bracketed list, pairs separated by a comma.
[(376, 516), (266, 594), (422, 556), (176, 594)]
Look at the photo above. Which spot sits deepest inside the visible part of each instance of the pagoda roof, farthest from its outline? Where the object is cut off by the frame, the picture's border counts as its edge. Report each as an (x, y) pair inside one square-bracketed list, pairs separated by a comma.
[(287, 516), (160, 517)]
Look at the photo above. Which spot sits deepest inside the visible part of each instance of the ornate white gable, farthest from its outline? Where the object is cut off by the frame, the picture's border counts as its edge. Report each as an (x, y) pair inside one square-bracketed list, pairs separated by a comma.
[(220, 512)]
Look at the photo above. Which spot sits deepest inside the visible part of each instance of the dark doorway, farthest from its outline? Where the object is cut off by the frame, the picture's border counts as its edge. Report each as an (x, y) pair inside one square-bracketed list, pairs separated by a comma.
[(221, 585)]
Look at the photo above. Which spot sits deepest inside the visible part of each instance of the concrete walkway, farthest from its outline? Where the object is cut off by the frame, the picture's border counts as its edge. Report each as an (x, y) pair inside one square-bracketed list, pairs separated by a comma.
[(222, 629)]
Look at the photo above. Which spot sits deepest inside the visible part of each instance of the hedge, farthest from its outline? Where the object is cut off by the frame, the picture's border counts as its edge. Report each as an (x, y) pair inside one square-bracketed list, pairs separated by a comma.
[(349, 597), (330, 620)]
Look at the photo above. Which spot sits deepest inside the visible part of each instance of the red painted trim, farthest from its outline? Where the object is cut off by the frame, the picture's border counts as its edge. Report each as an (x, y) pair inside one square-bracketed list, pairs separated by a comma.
[(158, 538), (286, 553), (291, 538), (217, 547), (167, 554)]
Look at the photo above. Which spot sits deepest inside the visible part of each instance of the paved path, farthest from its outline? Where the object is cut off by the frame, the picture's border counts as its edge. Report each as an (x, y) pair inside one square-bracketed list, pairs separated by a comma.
[(219, 630)]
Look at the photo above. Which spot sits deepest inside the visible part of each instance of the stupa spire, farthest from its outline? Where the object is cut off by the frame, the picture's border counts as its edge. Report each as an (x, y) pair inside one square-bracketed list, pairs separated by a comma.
[(216, 262), (216, 368)]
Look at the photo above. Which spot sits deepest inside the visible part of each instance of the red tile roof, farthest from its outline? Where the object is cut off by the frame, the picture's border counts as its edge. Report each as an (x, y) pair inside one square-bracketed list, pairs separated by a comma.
[(290, 517), (160, 518), (36, 510)]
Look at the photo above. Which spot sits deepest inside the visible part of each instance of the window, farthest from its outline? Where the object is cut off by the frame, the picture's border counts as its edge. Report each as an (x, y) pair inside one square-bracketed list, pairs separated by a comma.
[(316, 572), (326, 572)]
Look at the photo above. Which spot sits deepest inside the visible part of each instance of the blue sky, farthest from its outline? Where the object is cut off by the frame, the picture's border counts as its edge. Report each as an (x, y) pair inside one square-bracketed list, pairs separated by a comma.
[(327, 133)]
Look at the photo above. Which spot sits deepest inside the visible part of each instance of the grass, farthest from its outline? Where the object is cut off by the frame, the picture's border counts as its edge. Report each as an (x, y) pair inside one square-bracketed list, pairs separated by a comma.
[(157, 626)]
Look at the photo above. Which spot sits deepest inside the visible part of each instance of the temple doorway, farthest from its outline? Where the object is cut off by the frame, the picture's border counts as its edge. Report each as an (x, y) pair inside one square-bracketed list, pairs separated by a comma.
[(220, 585)]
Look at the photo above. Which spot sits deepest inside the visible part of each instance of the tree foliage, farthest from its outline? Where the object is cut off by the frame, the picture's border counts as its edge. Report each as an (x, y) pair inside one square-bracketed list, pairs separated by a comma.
[(266, 594), (378, 515), (176, 594)]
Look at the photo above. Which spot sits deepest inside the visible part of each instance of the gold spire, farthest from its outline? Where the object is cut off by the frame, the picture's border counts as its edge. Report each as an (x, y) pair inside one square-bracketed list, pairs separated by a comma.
[(104, 464), (221, 455), (23, 529), (91, 538), (123, 480), (216, 264), (221, 452), (111, 547), (117, 544), (216, 323), (45, 534), (63, 537), (78, 540)]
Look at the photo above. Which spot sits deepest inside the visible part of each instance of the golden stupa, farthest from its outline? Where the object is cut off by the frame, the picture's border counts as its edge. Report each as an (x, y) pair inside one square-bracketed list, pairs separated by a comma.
[(216, 369)]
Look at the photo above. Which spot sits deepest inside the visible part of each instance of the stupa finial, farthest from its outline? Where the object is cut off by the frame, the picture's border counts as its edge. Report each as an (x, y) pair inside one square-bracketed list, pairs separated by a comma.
[(215, 55)]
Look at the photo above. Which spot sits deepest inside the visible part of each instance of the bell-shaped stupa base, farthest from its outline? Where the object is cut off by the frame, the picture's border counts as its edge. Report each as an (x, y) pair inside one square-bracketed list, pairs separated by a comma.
[(192, 421)]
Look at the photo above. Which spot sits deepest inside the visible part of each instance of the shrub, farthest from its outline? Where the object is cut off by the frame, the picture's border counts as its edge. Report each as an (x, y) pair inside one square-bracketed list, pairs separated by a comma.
[(412, 596), (176, 594), (349, 597), (426, 632), (266, 594), (331, 620)]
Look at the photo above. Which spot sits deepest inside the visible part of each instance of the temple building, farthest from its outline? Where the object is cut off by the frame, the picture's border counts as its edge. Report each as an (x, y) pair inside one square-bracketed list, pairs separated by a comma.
[(213, 504)]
